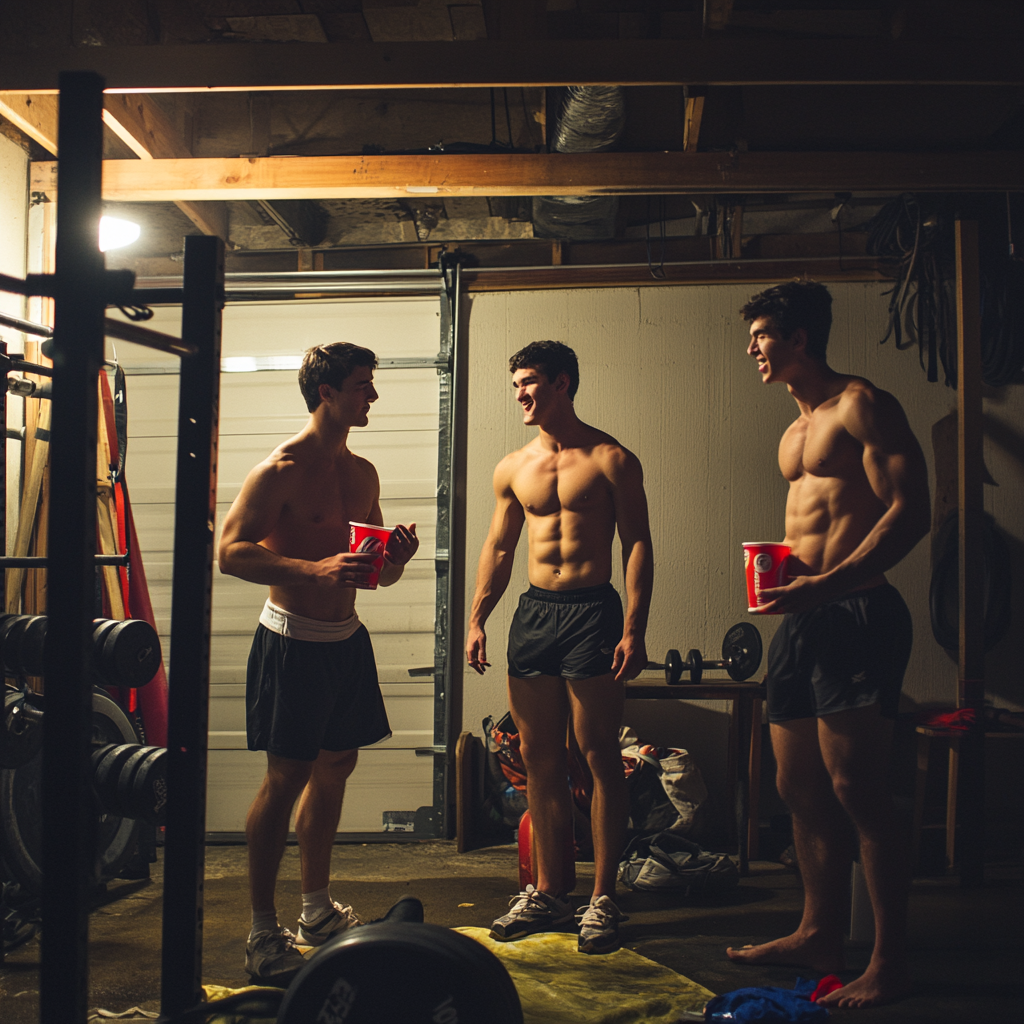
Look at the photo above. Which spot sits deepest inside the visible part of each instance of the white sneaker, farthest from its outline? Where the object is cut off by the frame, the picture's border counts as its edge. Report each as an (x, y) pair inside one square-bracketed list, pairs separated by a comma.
[(332, 922), (272, 955), (599, 926), (531, 911)]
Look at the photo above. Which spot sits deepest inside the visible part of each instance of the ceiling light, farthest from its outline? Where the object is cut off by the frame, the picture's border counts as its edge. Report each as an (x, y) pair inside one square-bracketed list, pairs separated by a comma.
[(116, 233)]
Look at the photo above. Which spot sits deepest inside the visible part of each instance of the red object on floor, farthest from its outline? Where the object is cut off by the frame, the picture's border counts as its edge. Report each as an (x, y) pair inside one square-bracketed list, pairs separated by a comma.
[(827, 984), (960, 719), (528, 861)]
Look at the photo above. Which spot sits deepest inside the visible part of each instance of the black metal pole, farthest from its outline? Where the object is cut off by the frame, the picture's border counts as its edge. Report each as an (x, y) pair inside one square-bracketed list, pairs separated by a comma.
[(189, 683), (68, 822)]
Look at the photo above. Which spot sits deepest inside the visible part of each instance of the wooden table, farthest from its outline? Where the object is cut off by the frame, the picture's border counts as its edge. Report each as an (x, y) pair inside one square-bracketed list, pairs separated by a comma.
[(744, 768)]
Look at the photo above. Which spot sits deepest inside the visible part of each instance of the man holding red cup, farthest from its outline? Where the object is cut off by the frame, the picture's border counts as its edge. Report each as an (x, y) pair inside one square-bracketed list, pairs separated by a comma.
[(312, 696), (858, 503)]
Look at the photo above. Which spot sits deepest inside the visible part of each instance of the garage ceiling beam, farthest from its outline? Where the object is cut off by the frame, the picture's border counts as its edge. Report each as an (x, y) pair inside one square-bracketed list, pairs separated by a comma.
[(496, 62), (527, 174)]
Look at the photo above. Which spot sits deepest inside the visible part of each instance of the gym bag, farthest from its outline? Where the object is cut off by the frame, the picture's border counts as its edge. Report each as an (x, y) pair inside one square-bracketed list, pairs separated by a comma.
[(667, 862), (666, 789)]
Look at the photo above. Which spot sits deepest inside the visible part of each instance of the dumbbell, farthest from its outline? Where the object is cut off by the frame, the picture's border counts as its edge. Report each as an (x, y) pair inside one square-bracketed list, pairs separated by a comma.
[(131, 780), (741, 656), (126, 652)]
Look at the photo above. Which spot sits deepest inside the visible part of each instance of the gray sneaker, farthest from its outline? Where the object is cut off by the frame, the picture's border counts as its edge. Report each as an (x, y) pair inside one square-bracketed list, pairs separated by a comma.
[(531, 911), (599, 926), (272, 955), (332, 922)]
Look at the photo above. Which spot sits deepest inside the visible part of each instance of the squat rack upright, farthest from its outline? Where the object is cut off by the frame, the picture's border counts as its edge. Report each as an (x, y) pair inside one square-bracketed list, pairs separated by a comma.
[(82, 289)]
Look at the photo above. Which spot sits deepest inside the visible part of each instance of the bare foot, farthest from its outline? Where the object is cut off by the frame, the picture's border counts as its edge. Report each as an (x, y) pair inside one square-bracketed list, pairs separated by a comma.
[(877, 985), (814, 951)]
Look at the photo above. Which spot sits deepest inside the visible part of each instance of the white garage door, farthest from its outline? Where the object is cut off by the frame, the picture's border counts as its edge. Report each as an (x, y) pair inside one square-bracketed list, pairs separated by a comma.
[(261, 407)]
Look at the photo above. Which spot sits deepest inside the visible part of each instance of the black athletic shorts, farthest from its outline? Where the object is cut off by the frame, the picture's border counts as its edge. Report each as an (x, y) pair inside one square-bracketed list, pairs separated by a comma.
[(304, 696), (567, 633), (848, 653)]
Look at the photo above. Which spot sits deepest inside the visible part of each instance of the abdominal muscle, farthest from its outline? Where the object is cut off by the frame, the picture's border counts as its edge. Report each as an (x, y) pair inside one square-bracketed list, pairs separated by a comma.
[(569, 551), (826, 520)]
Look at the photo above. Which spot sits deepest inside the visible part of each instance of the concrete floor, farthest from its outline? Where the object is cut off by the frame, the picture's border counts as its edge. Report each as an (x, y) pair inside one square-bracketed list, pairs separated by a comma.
[(965, 944)]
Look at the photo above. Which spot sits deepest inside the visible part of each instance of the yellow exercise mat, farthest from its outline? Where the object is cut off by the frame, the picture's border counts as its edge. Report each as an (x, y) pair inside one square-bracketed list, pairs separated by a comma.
[(239, 1016), (559, 985)]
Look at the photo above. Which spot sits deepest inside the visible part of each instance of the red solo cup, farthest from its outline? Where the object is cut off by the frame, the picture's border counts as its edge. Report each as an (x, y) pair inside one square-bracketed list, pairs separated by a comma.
[(764, 565), (366, 539)]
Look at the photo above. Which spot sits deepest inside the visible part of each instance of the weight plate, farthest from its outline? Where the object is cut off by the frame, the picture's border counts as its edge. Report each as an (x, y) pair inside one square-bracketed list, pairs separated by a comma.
[(742, 649), (695, 662), (20, 739), (149, 788), (100, 630), (126, 779), (10, 637), (131, 653), (21, 809), (31, 646), (106, 774), (673, 667), (442, 976)]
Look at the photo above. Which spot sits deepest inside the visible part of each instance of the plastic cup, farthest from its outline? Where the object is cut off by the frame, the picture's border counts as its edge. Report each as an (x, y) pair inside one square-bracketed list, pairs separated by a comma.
[(364, 538), (764, 566)]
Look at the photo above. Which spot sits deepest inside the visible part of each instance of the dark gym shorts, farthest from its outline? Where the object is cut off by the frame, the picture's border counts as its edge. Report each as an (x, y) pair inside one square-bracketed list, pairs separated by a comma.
[(848, 653), (304, 696), (567, 633)]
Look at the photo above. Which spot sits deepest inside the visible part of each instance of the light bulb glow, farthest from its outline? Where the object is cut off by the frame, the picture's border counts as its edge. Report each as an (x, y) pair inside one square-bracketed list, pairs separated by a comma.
[(116, 233)]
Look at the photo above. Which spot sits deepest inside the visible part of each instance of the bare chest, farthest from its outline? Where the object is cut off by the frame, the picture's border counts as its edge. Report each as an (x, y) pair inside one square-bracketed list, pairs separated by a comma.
[(549, 486), (326, 502), (819, 445)]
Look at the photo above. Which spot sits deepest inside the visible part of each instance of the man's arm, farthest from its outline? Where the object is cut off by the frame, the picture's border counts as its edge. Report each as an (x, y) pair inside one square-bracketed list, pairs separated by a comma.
[(251, 520), (495, 566), (895, 467), (627, 480)]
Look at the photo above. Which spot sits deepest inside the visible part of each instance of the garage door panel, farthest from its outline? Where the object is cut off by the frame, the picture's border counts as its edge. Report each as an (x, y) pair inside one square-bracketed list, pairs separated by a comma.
[(383, 780)]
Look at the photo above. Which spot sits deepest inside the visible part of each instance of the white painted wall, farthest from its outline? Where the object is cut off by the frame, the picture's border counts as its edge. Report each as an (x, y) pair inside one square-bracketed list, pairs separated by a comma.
[(13, 231), (665, 371)]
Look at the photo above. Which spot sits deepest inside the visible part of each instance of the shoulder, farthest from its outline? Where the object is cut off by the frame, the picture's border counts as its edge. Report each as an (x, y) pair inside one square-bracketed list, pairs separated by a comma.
[(615, 460), (860, 398), (506, 469)]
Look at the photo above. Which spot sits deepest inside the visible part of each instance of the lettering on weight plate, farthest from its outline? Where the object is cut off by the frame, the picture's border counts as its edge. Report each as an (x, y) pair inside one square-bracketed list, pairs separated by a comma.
[(338, 1004), (445, 1012)]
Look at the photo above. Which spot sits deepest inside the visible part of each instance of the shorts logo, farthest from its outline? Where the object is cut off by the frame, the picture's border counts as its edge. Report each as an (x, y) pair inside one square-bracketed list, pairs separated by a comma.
[(763, 563)]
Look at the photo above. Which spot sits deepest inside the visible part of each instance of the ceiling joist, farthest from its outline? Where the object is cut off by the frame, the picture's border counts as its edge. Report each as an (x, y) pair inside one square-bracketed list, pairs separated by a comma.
[(530, 174), (495, 62)]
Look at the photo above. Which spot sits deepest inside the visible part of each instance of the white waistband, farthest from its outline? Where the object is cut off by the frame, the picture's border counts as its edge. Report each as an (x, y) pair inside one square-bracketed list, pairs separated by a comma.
[(280, 620)]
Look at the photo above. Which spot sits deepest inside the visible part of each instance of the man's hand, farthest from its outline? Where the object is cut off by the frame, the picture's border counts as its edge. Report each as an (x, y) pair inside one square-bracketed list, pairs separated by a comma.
[(402, 544), (630, 659), (476, 650), (345, 569), (799, 595)]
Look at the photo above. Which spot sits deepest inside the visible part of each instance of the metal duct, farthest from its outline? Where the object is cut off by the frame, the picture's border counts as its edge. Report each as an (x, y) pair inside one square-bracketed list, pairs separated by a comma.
[(591, 121)]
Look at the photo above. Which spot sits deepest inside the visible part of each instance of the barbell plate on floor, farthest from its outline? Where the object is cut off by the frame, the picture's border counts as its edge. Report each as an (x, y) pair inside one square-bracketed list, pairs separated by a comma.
[(695, 666), (402, 972), (742, 649), (673, 667), (130, 654)]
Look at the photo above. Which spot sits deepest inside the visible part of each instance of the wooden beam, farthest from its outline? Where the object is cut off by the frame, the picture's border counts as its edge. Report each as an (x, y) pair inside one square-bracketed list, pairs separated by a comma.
[(36, 116), (142, 126), (717, 14), (494, 62), (692, 116), (527, 174)]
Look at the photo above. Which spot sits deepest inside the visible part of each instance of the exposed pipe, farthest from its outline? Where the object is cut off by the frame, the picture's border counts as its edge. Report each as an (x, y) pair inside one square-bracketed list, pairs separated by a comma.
[(592, 120)]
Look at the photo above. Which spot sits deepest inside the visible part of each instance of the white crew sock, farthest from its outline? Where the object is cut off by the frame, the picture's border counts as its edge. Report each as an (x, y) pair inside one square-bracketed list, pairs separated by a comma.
[(264, 921), (316, 904)]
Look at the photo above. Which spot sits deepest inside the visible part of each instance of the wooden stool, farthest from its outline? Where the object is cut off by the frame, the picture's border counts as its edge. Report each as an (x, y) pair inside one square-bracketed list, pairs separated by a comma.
[(925, 735)]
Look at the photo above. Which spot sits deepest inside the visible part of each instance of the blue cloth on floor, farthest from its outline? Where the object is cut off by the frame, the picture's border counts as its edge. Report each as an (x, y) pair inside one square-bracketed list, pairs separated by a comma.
[(767, 1006)]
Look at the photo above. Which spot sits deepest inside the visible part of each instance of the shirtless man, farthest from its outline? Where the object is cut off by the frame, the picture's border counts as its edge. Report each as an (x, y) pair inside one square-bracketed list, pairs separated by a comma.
[(312, 696), (569, 650), (858, 503)]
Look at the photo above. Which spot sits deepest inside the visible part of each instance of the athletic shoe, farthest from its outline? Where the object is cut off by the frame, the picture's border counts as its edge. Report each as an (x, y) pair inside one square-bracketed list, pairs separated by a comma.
[(599, 926), (531, 911), (272, 955), (330, 923)]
